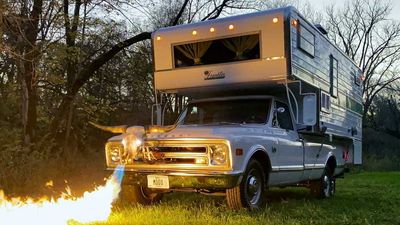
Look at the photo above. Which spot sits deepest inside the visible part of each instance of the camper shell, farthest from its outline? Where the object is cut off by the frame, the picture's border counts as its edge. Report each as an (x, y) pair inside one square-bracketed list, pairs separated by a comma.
[(290, 51)]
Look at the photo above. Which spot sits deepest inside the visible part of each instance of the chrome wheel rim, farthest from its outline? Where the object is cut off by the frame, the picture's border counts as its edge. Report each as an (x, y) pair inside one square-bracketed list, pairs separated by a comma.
[(327, 186), (254, 187)]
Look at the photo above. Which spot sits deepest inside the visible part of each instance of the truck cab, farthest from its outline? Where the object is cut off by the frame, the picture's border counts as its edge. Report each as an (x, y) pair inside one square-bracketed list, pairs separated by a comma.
[(271, 102)]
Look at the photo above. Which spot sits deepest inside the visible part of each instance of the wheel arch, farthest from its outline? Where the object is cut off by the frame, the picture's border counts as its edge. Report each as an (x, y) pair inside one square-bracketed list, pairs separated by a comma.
[(260, 154), (331, 163)]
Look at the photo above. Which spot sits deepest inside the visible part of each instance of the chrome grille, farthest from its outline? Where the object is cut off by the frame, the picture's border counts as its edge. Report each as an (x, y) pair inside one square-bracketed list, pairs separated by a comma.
[(179, 149)]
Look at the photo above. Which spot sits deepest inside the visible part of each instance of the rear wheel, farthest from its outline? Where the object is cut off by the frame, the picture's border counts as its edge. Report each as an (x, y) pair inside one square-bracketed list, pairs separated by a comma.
[(250, 193), (135, 194), (325, 187)]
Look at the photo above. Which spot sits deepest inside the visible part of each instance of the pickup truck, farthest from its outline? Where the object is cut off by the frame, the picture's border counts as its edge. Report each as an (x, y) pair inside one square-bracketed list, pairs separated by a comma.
[(236, 146)]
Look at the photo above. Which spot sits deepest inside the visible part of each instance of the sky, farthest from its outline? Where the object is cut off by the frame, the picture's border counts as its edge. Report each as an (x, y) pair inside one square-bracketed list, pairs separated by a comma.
[(320, 4)]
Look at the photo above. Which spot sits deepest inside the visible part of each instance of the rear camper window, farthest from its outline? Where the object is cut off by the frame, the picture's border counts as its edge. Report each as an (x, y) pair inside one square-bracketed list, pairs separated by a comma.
[(306, 40), (217, 51)]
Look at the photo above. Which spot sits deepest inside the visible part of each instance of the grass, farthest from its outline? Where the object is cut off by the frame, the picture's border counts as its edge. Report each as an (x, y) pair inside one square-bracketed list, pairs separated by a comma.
[(365, 198)]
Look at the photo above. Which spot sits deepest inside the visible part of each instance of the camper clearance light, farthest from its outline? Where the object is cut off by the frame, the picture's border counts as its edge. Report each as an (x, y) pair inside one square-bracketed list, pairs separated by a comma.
[(212, 29), (194, 32), (158, 38), (275, 20), (231, 27)]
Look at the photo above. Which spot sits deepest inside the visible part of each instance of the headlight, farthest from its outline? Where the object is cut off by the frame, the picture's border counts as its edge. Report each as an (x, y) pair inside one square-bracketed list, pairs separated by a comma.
[(219, 154), (114, 150)]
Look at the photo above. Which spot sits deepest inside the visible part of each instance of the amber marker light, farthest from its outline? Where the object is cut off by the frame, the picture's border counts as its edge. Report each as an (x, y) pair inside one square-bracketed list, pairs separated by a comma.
[(294, 23), (212, 29), (194, 32), (231, 27), (275, 20), (239, 151), (158, 38)]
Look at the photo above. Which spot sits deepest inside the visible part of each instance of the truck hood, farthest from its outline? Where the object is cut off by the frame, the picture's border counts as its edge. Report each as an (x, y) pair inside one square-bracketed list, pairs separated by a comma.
[(210, 132)]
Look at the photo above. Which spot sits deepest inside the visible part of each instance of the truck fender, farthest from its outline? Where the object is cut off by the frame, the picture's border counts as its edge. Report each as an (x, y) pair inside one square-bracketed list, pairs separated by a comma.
[(330, 156), (251, 152)]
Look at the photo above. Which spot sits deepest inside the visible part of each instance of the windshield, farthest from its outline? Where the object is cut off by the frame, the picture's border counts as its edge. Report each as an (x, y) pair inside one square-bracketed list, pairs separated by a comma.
[(239, 111)]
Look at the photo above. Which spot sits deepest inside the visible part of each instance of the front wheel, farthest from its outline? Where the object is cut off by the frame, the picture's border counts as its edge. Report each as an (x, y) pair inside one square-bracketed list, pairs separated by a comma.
[(135, 194), (250, 193), (325, 187)]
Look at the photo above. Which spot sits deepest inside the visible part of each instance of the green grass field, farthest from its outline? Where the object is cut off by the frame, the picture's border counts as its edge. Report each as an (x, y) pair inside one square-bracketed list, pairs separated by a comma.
[(365, 198)]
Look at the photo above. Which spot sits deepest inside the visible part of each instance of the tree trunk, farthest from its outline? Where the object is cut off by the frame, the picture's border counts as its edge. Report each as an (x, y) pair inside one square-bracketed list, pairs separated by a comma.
[(26, 77), (25, 27)]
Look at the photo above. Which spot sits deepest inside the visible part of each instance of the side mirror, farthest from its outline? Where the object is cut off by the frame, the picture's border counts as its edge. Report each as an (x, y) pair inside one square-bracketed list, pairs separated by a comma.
[(310, 110), (280, 110)]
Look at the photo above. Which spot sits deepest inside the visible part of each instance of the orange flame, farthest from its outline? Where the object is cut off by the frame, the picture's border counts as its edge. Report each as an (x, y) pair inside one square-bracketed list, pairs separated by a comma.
[(92, 206)]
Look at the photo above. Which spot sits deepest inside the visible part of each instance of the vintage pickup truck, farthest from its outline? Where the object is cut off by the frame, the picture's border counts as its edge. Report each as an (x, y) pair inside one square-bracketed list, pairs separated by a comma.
[(272, 103)]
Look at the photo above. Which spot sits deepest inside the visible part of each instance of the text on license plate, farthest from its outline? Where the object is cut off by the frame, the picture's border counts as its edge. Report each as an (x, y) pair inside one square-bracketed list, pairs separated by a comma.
[(157, 181)]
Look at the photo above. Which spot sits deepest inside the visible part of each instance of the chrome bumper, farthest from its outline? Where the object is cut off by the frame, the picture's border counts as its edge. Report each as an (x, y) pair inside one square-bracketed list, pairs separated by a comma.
[(186, 180)]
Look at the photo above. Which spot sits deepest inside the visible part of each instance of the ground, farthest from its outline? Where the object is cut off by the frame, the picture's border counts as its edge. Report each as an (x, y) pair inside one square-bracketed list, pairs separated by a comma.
[(364, 198)]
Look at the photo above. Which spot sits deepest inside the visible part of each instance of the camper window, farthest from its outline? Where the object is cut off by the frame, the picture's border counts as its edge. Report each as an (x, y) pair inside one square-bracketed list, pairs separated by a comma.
[(217, 51), (306, 40), (333, 73), (325, 102), (357, 80)]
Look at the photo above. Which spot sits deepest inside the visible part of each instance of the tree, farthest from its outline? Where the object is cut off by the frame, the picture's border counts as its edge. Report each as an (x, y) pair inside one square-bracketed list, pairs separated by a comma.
[(366, 34), (21, 23), (213, 8), (385, 114)]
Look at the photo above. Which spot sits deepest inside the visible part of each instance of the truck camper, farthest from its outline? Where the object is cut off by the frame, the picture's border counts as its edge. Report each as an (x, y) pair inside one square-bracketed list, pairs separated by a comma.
[(272, 102)]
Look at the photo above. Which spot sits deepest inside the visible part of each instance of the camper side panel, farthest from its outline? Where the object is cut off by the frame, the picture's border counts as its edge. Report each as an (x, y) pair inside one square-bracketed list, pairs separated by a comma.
[(320, 63)]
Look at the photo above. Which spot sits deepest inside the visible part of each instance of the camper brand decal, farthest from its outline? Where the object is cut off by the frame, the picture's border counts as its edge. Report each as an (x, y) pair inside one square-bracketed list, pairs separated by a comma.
[(209, 75)]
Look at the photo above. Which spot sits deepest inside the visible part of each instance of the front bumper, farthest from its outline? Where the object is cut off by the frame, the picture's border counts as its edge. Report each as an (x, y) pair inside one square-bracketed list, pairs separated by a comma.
[(186, 180)]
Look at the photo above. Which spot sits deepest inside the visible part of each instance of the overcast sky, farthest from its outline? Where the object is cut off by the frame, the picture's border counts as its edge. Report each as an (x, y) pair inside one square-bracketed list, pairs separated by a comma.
[(320, 4)]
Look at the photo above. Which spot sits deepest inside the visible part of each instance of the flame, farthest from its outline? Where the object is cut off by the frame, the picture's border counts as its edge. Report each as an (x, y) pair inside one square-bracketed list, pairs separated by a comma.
[(92, 206), (49, 184)]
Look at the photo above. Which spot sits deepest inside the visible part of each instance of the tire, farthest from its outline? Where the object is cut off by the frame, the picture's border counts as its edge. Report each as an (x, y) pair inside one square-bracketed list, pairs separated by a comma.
[(134, 194), (250, 193), (325, 187)]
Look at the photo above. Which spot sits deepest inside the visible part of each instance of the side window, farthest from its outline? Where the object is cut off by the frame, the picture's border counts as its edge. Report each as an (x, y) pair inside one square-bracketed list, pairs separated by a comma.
[(357, 79), (333, 74), (306, 40), (284, 119), (325, 102)]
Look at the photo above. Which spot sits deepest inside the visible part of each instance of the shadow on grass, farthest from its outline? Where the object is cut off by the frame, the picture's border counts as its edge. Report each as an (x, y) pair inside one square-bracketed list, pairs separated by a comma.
[(193, 201), (278, 195)]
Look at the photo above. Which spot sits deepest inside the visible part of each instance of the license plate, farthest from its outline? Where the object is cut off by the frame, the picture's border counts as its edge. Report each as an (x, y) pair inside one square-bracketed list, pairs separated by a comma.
[(157, 181)]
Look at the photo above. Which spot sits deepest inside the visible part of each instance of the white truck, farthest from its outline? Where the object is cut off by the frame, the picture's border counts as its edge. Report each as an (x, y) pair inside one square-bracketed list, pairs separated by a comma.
[(272, 102)]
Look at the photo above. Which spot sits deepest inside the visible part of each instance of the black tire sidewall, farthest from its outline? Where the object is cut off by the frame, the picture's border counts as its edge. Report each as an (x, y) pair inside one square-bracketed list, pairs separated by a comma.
[(253, 164), (331, 183)]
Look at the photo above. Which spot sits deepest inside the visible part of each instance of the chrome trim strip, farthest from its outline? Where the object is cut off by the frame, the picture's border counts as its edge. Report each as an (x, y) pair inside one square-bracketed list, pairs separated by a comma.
[(314, 166), (288, 168), (297, 167)]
